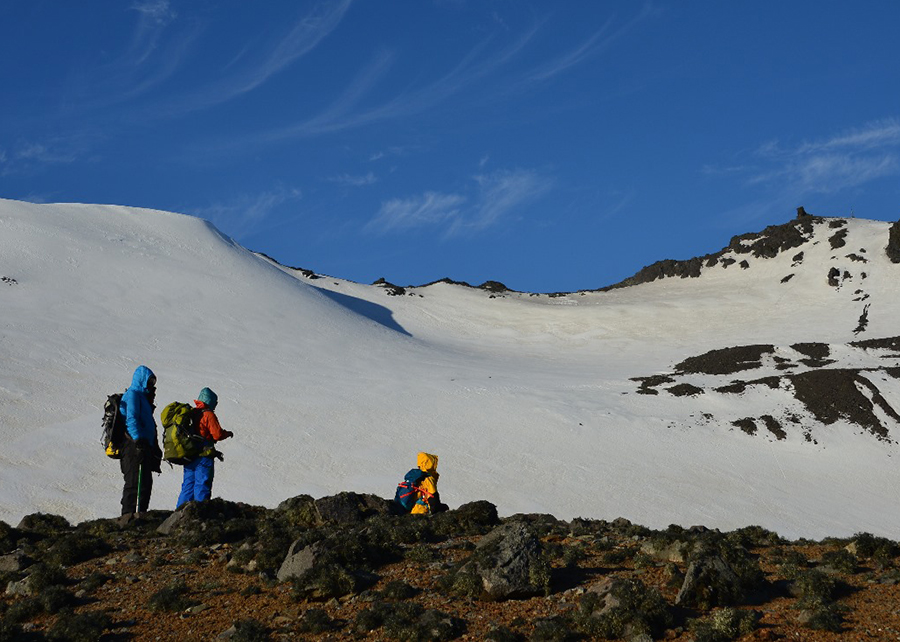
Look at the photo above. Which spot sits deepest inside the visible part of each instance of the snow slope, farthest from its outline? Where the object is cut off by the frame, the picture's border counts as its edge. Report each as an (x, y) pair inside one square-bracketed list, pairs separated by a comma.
[(528, 400)]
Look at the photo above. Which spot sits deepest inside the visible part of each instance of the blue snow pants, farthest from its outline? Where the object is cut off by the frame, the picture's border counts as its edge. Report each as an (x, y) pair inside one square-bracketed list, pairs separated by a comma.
[(198, 481)]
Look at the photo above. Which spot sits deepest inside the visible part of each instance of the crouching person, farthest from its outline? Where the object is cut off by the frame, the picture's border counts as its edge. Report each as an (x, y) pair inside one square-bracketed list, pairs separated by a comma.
[(199, 473), (418, 493)]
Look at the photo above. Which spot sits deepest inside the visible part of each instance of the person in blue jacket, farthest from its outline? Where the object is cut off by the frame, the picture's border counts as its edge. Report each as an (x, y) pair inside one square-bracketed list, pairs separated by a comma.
[(141, 455)]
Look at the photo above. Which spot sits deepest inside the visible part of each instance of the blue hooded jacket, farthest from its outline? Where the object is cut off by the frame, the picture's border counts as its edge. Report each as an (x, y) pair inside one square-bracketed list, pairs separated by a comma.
[(136, 408)]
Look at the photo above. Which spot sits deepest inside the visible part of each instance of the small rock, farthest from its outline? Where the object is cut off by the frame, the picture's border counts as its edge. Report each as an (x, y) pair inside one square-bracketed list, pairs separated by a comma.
[(804, 616), (22, 587), (281, 621), (170, 523), (14, 562), (133, 558), (227, 634), (197, 609)]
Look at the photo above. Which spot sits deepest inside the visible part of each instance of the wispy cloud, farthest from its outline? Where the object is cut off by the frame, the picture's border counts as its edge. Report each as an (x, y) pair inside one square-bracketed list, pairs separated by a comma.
[(499, 194), (874, 135), (155, 15), (489, 199), (156, 10), (244, 213), (788, 174), (483, 61), (253, 69), (429, 209), (601, 40), (345, 114), (843, 160), (28, 155), (354, 181)]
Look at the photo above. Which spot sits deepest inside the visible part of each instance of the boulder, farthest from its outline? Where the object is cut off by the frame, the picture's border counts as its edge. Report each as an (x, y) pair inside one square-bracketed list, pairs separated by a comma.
[(14, 562), (170, 524), (709, 581), (351, 508), (676, 551), (22, 587), (509, 563), (606, 590), (299, 560)]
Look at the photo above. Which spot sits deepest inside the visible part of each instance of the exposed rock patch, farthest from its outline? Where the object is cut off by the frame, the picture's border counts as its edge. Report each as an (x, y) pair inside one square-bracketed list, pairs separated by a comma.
[(887, 343), (389, 288), (685, 390), (893, 246), (863, 320), (726, 360), (766, 244), (833, 394), (838, 239)]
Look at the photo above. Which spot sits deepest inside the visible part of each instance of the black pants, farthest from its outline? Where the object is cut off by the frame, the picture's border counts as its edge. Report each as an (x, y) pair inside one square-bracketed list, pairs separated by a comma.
[(138, 480)]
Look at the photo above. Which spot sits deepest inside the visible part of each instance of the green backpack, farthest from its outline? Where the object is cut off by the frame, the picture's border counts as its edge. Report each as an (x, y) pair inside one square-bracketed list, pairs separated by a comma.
[(182, 442)]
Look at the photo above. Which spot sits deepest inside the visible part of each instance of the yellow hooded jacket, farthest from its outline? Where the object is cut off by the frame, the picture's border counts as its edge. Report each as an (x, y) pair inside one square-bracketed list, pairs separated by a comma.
[(427, 464)]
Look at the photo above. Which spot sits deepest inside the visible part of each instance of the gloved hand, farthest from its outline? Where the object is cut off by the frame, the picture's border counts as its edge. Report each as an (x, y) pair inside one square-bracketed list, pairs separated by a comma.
[(226, 434), (142, 446)]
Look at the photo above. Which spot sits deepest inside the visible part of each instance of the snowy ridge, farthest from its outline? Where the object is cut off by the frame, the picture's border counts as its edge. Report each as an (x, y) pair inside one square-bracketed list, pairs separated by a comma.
[(537, 403)]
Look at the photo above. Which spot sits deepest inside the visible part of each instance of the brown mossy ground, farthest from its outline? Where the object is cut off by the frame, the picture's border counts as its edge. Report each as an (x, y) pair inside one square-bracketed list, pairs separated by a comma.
[(152, 587)]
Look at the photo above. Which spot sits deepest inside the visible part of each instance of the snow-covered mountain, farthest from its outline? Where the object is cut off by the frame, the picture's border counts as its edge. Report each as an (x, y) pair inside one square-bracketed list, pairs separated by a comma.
[(757, 385)]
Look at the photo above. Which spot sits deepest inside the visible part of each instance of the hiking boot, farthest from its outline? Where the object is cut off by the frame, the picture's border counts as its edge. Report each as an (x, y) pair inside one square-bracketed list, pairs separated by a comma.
[(126, 519)]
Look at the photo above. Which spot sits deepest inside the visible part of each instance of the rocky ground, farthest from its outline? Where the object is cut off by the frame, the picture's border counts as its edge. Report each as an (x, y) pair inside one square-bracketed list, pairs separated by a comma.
[(345, 567)]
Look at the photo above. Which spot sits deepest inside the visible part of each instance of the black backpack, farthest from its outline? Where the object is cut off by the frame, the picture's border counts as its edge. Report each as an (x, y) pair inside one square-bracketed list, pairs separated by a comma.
[(114, 432)]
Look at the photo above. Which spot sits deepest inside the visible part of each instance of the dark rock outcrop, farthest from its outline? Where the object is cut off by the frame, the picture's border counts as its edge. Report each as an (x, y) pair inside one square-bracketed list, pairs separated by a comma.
[(351, 508), (893, 246), (726, 360)]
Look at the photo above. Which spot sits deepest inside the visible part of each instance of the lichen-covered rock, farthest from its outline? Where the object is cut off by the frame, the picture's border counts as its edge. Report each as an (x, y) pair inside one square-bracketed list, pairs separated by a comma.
[(676, 551), (300, 559), (14, 562), (709, 582), (509, 563)]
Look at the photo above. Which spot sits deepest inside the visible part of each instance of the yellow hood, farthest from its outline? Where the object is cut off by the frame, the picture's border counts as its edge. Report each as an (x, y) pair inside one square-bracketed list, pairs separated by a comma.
[(427, 463)]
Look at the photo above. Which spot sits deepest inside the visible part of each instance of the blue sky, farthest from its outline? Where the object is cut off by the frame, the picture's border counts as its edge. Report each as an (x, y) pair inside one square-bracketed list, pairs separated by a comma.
[(548, 145)]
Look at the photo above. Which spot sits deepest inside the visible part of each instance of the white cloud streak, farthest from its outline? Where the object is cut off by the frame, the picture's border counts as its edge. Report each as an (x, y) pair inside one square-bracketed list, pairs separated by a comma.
[(494, 197), (788, 175), (344, 113), (305, 34), (341, 114), (499, 194), (244, 213), (847, 159), (354, 181), (429, 209)]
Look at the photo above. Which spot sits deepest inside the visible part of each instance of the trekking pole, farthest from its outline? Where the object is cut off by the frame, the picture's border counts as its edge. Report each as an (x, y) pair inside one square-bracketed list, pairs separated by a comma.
[(137, 506)]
